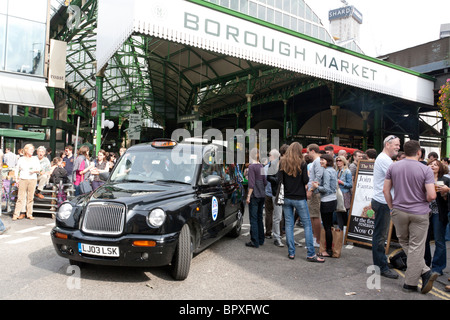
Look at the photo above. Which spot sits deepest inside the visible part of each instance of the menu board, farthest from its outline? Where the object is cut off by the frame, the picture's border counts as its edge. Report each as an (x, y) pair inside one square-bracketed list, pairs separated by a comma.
[(361, 219)]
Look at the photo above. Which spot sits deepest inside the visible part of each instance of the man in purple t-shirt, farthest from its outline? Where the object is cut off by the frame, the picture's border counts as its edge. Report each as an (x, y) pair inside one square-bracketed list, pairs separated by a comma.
[(413, 185)]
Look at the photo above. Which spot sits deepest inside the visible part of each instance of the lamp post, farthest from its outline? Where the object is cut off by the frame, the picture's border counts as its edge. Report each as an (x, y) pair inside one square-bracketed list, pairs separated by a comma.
[(98, 130), (99, 85)]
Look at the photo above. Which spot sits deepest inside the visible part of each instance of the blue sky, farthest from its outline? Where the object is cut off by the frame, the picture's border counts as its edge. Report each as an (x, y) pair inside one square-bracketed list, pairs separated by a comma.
[(392, 25)]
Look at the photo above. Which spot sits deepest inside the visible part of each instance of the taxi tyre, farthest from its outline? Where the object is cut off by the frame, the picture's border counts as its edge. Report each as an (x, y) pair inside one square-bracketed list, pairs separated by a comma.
[(181, 262), (236, 231)]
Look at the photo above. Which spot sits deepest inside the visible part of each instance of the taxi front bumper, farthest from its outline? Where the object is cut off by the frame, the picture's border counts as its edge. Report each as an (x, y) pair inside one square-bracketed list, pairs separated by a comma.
[(131, 250)]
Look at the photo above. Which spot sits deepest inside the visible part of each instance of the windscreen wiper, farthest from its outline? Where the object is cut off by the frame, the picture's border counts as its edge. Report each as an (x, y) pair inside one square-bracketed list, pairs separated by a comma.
[(172, 181)]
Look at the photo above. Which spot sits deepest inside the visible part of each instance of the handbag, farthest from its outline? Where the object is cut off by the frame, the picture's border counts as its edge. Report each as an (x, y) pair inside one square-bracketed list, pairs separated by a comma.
[(347, 199), (340, 207), (398, 259), (85, 186), (279, 198)]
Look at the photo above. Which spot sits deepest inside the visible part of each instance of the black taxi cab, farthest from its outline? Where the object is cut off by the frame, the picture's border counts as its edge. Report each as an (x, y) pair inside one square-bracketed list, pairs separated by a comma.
[(163, 202)]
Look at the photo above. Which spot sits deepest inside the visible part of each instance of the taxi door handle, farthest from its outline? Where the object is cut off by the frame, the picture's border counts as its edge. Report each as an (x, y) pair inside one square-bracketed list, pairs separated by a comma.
[(222, 200)]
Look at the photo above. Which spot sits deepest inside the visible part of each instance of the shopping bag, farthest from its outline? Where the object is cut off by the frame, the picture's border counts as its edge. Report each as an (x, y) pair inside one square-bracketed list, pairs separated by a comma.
[(85, 186), (340, 207), (338, 236), (279, 198), (336, 246), (323, 241)]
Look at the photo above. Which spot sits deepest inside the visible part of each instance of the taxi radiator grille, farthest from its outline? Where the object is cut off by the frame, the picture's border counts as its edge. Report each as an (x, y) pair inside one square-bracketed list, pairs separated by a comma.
[(104, 218)]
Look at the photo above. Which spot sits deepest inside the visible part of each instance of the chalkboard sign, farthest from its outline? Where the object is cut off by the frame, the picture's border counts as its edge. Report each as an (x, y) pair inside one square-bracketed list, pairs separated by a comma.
[(361, 219)]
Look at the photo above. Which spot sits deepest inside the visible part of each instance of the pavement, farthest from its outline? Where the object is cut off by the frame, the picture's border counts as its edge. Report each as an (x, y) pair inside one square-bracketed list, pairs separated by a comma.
[(226, 270)]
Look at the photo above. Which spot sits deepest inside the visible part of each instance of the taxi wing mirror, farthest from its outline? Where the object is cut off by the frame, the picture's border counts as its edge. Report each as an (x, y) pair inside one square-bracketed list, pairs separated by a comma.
[(213, 180), (104, 175)]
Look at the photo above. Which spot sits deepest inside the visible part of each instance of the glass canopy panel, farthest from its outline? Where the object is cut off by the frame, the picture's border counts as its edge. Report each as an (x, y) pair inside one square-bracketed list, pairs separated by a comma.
[(291, 14)]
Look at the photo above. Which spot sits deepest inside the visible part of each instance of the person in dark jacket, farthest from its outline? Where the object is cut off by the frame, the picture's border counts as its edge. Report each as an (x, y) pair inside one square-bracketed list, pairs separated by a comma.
[(59, 173), (294, 176), (255, 199), (438, 220)]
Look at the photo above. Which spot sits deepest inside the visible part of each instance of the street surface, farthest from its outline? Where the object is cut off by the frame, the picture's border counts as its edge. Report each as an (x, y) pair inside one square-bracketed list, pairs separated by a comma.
[(30, 269)]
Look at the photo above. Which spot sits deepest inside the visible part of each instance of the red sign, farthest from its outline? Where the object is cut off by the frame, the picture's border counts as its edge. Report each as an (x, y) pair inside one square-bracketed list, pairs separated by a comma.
[(94, 109)]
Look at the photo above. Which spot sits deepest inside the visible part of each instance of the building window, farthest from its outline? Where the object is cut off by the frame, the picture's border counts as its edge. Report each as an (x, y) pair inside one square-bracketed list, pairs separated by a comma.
[(261, 12), (234, 5), (23, 35), (270, 15), (2, 41), (25, 46), (253, 9), (278, 18), (244, 6)]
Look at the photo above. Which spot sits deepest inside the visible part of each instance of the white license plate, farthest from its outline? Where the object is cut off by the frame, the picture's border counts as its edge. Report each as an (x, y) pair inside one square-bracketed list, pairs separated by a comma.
[(103, 251)]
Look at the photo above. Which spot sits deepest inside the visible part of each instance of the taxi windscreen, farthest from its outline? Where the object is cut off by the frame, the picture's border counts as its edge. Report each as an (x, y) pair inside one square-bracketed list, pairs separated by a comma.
[(156, 165)]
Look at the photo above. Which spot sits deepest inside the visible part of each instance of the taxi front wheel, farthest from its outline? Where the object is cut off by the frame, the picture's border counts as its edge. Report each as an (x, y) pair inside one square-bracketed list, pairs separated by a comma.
[(183, 255)]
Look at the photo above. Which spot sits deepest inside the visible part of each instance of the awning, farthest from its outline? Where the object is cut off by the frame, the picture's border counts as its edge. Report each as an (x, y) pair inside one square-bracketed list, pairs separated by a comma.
[(215, 30), (24, 91), (21, 134)]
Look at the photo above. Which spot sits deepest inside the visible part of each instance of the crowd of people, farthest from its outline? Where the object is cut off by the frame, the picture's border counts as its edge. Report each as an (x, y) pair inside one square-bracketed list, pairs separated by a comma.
[(292, 186), (296, 187), (35, 169)]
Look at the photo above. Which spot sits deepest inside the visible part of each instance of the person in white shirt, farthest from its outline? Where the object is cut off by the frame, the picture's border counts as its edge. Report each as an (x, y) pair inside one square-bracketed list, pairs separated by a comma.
[(44, 174), (9, 158), (27, 169), (391, 146)]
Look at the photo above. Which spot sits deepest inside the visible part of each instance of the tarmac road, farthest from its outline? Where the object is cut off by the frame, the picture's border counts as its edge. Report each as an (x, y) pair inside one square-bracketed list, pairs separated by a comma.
[(228, 270)]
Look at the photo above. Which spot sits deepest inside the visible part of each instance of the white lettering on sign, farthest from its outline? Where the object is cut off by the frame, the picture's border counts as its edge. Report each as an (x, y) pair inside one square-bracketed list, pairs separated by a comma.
[(276, 46), (226, 33)]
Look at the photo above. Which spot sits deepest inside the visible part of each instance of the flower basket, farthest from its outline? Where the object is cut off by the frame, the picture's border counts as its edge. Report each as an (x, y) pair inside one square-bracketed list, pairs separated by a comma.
[(444, 101)]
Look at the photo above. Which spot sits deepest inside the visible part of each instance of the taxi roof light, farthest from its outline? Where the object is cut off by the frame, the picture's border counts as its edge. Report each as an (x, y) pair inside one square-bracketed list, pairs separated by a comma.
[(164, 143)]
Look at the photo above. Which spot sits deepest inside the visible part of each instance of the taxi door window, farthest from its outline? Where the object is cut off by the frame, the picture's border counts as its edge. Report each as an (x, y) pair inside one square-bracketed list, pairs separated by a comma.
[(210, 167), (229, 173)]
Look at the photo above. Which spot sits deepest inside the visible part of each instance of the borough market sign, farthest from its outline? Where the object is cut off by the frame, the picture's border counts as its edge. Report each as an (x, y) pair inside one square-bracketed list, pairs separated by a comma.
[(212, 28)]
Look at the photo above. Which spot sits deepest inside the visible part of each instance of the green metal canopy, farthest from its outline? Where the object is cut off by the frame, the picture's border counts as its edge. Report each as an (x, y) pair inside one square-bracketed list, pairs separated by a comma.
[(162, 79), (21, 134)]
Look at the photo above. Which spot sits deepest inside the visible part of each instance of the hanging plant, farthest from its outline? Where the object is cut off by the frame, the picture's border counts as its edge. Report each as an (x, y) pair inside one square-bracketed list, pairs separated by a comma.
[(444, 101)]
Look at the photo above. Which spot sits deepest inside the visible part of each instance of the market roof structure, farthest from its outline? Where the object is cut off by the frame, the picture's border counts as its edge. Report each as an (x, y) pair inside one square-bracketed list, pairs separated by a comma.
[(168, 59)]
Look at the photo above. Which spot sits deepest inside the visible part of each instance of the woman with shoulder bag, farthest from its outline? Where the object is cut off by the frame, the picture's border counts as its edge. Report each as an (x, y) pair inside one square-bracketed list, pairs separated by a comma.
[(327, 189), (294, 174), (345, 182), (101, 166), (81, 169)]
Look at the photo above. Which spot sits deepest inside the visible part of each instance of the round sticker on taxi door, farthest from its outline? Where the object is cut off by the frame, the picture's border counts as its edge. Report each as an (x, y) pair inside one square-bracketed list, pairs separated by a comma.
[(214, 208)]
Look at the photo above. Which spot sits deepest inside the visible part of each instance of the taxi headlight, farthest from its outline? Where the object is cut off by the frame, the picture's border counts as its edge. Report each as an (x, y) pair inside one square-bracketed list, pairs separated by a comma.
[(65, 211), (156, 217)]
